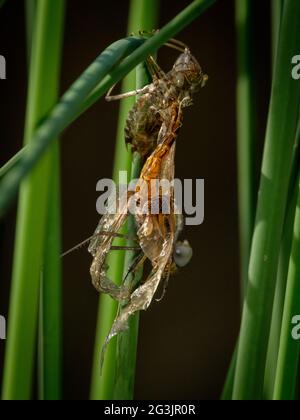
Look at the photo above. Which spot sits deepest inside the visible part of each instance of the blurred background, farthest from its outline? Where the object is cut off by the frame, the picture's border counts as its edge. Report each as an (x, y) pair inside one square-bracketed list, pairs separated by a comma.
[(186, 341)]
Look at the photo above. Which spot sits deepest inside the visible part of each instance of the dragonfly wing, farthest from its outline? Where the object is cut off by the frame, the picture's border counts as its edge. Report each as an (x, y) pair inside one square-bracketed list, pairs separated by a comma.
[(101, 246), (142, 297), (167, 170), (150, 233)]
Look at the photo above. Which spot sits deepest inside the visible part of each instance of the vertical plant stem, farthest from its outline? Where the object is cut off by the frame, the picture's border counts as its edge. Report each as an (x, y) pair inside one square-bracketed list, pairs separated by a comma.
[(276, 12), (30, 11), (246, 131), (275, 330), (228, 387), (246, 137), (50, 339), (33, 208), (50, 331), (127, 341), (282, 273), (126, 349), (273, 194), (276, 16), (142, 13), (289, 347), (50, 319)]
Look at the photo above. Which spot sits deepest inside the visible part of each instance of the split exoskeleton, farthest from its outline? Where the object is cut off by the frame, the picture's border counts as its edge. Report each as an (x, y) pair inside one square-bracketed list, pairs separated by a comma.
[(151, 130)]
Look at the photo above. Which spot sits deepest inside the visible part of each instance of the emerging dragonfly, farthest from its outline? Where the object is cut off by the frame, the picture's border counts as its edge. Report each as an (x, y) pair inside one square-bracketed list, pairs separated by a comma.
[(151, 130)]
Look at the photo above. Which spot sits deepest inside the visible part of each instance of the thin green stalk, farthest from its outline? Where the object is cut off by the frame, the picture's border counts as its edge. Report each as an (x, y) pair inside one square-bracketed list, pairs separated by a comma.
[(276, 12), (273, 194), (50, 331), (289, 348), (228, 387), (127, 342), (102, 387), (284, 259), (11, 163), (72, 104), (126, 349), (246, 145), (276, 16), (33, 208), (50, 328), (275, 330), (246, 130)]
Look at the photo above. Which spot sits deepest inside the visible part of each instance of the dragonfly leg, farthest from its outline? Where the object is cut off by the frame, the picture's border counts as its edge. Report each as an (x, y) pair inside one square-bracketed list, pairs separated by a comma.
[(135, 92), (137, 263), (165, 285), (154, 69), (103, 233), (125, 248)]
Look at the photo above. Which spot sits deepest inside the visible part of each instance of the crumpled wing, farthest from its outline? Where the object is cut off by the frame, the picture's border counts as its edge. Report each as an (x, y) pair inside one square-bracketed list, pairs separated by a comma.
[(100, 247), (151, 238), (142, 297)]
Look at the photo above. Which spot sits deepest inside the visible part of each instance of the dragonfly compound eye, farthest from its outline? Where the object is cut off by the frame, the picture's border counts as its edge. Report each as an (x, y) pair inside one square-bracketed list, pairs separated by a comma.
[(182, 254)]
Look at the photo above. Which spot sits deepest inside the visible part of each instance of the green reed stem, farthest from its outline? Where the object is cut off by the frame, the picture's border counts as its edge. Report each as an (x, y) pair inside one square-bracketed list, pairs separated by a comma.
[(273, 195), (276, 15), (127, 342), (33, 207), (246, 131), (102, 387), (289, 347), (246, 145)]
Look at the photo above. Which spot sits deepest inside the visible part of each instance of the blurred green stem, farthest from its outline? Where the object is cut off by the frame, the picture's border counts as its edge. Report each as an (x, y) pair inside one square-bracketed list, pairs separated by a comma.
[(272, 199), (289, 347), (246, 131), (276, 12), (246, 145), (33, 207)]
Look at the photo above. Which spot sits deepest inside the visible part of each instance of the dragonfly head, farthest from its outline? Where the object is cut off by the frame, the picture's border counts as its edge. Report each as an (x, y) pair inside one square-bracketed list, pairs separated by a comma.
[(182, 253), (188, 72)]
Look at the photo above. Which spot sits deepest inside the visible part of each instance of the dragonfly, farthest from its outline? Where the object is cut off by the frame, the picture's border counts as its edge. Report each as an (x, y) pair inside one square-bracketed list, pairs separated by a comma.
[(151, 130)]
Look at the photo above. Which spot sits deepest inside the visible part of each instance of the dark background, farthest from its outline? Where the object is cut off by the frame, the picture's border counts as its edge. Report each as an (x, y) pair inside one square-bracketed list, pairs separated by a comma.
[(186, 341)]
